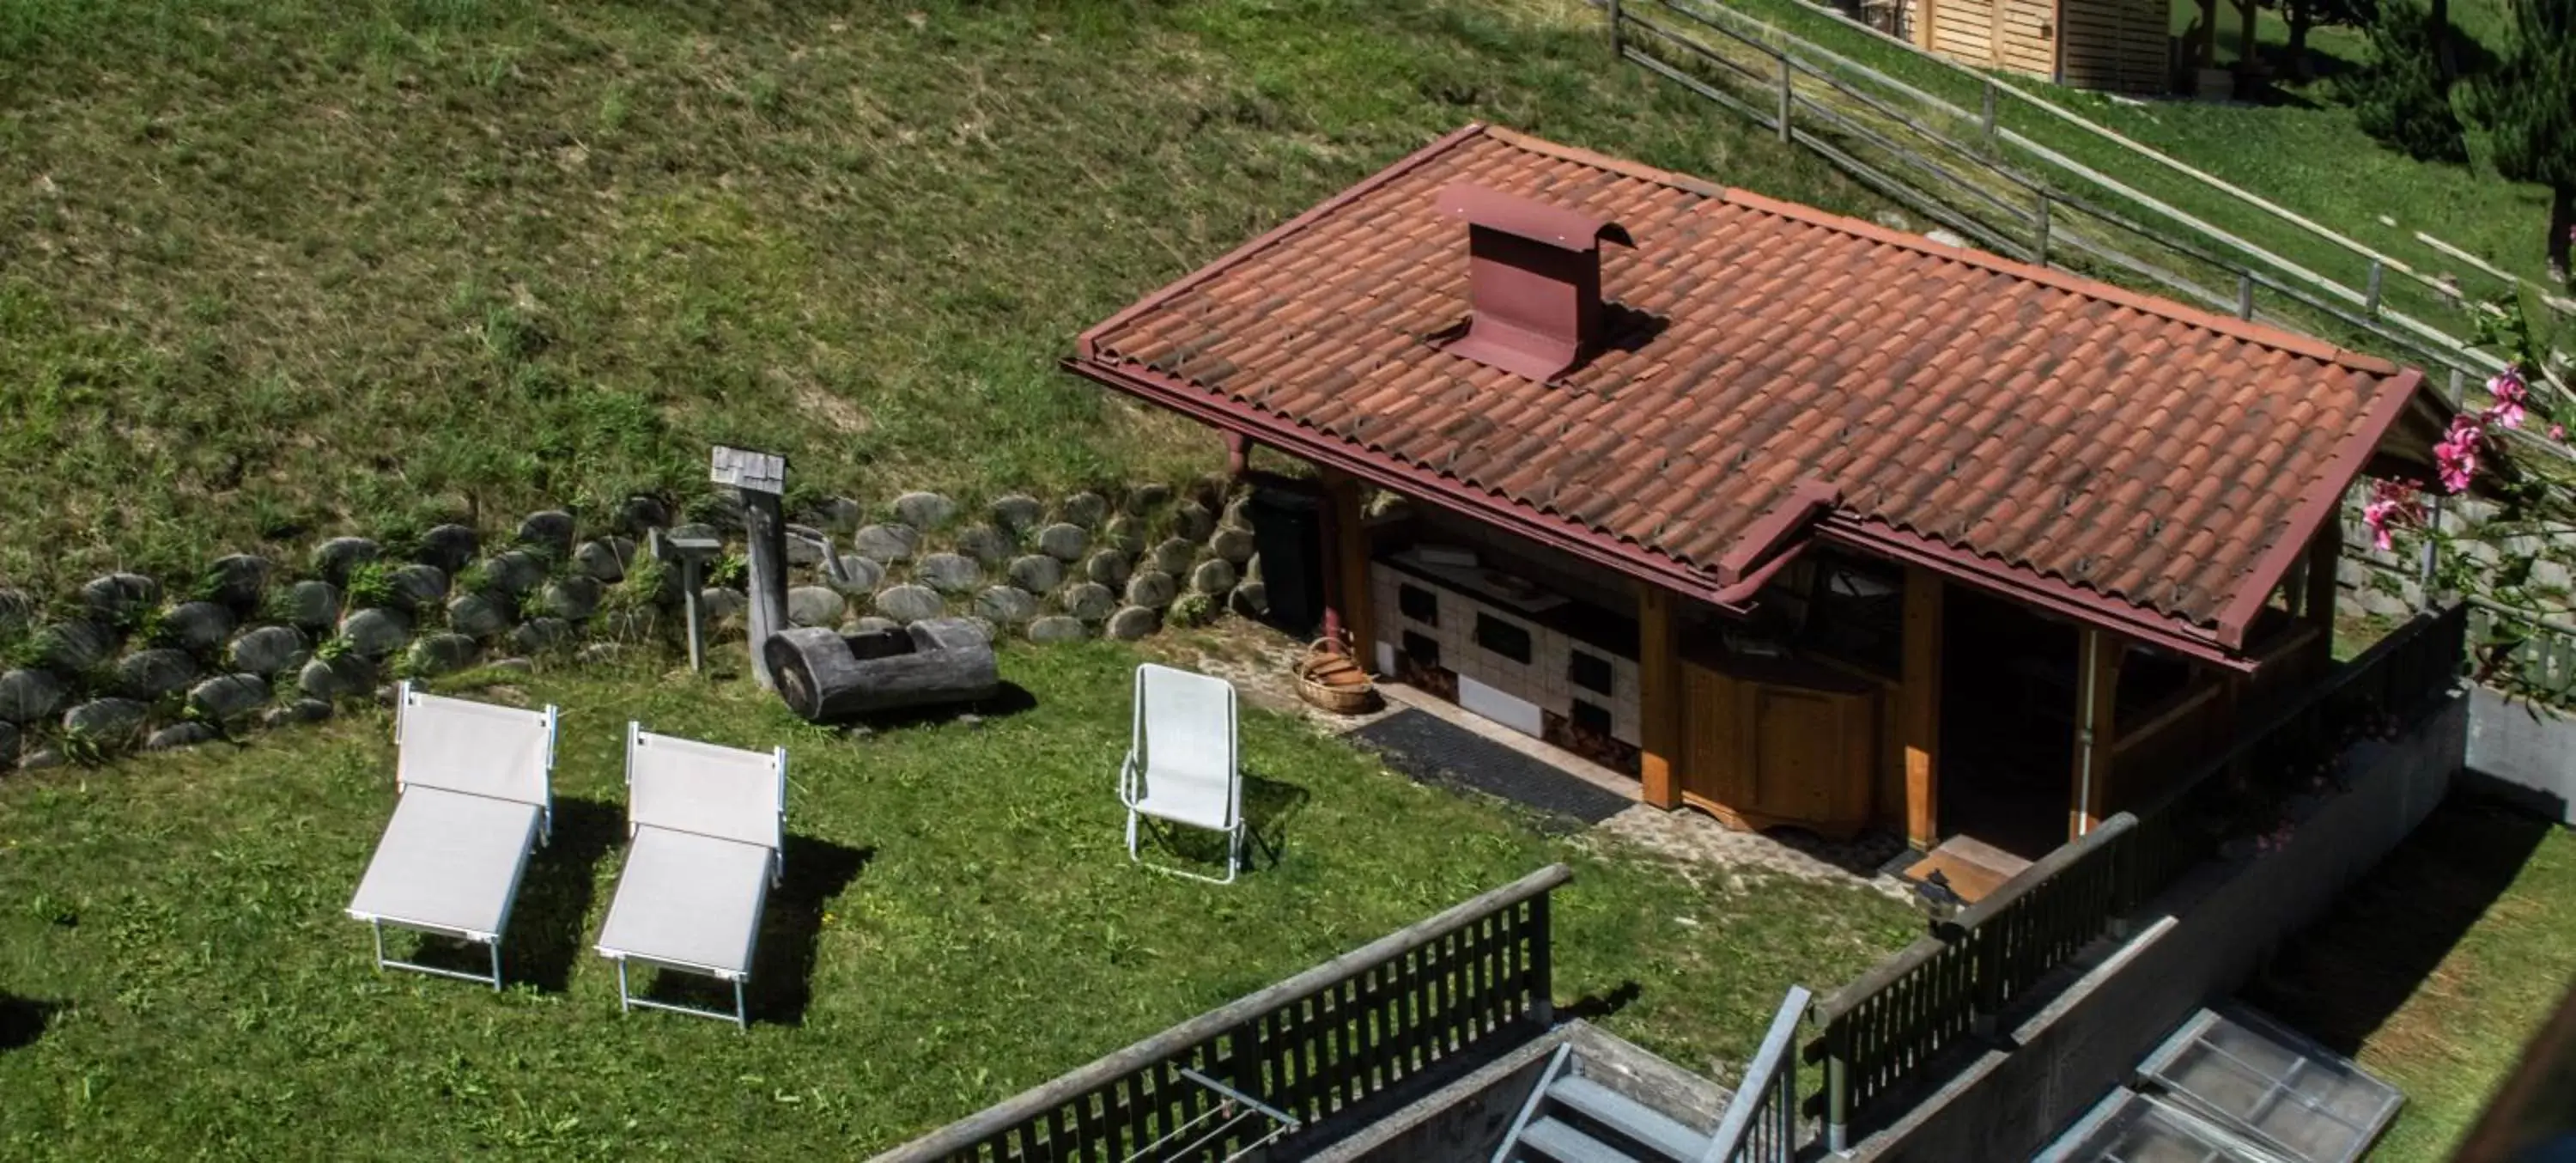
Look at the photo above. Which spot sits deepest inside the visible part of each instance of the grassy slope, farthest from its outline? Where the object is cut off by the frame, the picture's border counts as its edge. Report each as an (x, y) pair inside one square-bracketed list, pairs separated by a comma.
[(2440, 965), (277, 266), (186, 911)]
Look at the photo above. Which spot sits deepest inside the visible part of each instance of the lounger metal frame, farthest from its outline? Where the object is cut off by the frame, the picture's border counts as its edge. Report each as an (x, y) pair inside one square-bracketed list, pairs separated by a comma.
[(1130, 773), (545, 835), (741, 1015)]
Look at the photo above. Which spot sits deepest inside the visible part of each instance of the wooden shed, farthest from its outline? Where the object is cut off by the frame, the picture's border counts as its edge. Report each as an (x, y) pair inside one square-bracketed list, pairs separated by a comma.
[(2121, 46)]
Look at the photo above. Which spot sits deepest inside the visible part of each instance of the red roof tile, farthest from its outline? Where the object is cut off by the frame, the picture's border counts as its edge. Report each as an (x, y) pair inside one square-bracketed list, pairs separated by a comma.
[(2127, 447)]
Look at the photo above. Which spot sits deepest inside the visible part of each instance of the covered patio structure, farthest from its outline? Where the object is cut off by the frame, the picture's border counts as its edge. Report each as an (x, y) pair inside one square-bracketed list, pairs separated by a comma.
[(1802, 521)]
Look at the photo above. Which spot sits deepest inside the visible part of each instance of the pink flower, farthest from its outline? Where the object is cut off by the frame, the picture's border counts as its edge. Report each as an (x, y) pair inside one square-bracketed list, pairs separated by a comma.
[(2455, 459), (2392, 503), (2510, 394), (2558, 432)]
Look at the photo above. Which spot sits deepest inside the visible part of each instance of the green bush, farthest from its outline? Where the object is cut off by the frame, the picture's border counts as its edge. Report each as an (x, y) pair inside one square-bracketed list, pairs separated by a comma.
[(2400, 98)]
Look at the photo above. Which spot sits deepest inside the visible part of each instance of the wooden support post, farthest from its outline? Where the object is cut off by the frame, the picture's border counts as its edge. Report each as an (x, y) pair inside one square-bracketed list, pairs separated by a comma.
[(2318, 604), (1922, 29), (1618, 45), (1919, 707), (761, 479), (1345, 502), (1788, 98), (2097, 687), (2042, 249), (2245, 295), (1990, 112), (1659, 699), (2370, 306)]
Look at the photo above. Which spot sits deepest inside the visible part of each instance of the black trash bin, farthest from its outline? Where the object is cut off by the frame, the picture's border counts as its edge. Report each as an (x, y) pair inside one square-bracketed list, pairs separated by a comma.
[(1288, 532)]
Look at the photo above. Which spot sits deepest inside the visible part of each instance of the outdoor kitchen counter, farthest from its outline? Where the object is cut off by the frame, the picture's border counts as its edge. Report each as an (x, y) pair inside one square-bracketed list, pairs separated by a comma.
[(1581, 621)]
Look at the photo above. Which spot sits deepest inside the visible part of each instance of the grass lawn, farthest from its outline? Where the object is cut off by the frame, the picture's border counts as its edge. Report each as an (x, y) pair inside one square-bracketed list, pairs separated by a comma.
[(960, 923), (271, 269), (2438, 968)]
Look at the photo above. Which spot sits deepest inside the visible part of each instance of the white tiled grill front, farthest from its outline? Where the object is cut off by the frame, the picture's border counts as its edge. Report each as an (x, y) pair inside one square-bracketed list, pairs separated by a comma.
[(1545, 682)]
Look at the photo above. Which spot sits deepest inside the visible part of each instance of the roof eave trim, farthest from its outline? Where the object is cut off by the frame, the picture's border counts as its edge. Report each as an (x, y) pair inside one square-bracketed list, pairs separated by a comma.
[(1322, 448), (2063, 598), (2317, 508), (1088, 343)]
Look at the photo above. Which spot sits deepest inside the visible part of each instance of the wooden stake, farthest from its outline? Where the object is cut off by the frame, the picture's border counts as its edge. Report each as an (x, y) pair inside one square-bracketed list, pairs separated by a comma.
[(1919, 707), (1659, 701), (767, 532)]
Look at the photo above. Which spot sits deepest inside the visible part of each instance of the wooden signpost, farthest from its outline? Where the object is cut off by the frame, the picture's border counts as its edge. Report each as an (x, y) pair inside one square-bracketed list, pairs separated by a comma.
[(761, 479)]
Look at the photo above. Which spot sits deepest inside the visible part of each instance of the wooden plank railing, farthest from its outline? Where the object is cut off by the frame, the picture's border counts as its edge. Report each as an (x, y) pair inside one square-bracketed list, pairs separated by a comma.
[(1898, 1022), (1447, 989)]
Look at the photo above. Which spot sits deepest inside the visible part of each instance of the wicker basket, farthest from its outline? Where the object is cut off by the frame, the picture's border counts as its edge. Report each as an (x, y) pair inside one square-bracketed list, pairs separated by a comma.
[(1332, 680)]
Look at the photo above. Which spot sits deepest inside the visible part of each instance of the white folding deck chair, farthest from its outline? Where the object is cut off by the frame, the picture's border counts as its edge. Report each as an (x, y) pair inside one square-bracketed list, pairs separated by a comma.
[(474, 800), (1181, 763), (705, 825)]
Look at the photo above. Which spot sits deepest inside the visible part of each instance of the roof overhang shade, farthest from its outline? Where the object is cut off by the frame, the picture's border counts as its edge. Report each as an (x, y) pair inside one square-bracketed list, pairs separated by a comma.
[(2118, 459)]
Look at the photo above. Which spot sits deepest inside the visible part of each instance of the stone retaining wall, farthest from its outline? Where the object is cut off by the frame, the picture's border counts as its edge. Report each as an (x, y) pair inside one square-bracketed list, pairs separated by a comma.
[(131, 662)]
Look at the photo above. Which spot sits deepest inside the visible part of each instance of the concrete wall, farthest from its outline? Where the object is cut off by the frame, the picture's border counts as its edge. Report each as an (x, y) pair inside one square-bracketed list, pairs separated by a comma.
[(2524, 751), (2197, 945)]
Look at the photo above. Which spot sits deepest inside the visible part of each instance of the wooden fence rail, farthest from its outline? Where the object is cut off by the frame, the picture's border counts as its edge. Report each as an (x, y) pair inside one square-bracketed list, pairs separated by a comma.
[(1896, 1024), (1265, 1068)]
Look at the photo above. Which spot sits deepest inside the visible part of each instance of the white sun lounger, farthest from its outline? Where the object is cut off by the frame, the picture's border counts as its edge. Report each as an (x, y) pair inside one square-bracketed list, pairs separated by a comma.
[(474, 800), (706, 825), (1181, 763)]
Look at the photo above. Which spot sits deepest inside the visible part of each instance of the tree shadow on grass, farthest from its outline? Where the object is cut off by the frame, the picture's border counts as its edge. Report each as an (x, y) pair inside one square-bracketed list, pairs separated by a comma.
[(545, 936), (2342, 979), (23, 1020)]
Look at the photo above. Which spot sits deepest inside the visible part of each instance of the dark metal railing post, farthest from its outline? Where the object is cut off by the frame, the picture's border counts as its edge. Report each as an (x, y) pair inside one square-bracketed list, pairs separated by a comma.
[(2042, 249), (2245, 295), (1542, 968), (1986, 949), (1990, 113), (2369, 306), (1618, 43), (1837, 1087), (1787, 97)]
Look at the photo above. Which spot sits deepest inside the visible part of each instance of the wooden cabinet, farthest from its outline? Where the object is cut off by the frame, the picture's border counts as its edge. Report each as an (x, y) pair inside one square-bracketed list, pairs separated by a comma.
[(1777, 741)]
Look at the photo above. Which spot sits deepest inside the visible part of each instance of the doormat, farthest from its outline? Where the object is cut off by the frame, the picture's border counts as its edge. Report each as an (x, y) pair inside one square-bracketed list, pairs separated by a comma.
[(1434, 751)]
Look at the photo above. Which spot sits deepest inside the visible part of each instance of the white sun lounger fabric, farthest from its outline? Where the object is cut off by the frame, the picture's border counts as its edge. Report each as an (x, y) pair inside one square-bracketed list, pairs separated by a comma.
[(1181, 765), (707, 828), (475, 799)]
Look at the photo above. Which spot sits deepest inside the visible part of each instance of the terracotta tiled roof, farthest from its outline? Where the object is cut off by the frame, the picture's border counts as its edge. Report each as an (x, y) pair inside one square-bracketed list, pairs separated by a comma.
[(2105, 442)]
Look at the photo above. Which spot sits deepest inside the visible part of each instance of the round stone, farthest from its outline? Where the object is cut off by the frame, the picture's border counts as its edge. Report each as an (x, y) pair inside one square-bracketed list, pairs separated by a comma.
[(1058, 628), (804, 552), (118, 599), (1063, 542), (17, 610), (986, 544), (346, 676), (236, 579), (110, 723), (925, 510), (27, 695), (1089, 601), (478, 616), (539, 635), (375, 633), (550, 531), (75, 647), (443, 654), (180, 735), (1152, 588), (1132, 623), (1192, 520), (225, 698), (886, 542), (513, 574), (150, 674), (948, 573), (641, 514), (1250, 599), (604, 559), (8, 746), (42, 758), (449, 547), (717, 603), (910, 603), (1005, 606), (1126, 534), (267, 649), (1238, 512), (873, 625), (1037, 573), (299, 711), (836, 515), (200, 627), (1174, 556), (573, 597), (815, 606), (1085, 509), (313, 605), (334, 559), (417, 586), (1213, 577), (859, 575), (1018, 513), (511, 666), (1234, 545), (1107, 567), (1147, 497)]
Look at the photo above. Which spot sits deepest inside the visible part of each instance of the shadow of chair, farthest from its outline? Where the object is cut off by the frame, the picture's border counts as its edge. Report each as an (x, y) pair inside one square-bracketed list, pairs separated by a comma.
[(1269, 806), (23, 1020), (545, 938)]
